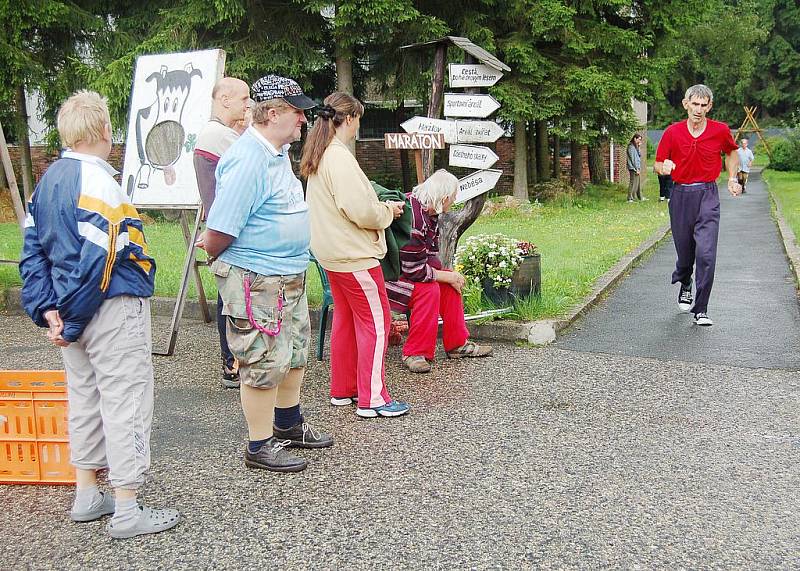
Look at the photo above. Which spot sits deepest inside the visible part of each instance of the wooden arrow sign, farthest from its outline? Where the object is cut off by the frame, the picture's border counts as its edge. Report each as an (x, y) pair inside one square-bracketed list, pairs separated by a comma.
[(469, 105), (413, 141), (473, 75), (477, 183), (456, 131), (428, 125), (472, 157)]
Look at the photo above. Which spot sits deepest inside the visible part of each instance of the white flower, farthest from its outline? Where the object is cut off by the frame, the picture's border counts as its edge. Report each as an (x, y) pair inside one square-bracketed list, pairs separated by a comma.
[(502, 264)]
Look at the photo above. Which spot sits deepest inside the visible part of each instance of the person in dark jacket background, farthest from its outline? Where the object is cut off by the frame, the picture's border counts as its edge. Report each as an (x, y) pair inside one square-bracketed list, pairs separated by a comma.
[(634, 159)]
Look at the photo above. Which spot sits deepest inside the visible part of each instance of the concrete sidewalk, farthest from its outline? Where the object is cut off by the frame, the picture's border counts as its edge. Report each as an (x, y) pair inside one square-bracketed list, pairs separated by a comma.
[(753, 304)]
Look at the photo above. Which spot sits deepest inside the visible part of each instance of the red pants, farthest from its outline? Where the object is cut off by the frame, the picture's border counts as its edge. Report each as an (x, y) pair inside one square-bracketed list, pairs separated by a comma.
[(359, 336), (429, 300)]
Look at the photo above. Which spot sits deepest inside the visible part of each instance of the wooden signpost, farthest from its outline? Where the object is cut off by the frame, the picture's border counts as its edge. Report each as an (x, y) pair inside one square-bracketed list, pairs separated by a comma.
[(416, 142), (479, 69), (472, 75), (472, 156), (467, 105)]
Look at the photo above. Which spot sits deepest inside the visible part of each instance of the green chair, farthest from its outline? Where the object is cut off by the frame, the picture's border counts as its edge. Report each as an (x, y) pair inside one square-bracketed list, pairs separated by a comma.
[(327, 302)]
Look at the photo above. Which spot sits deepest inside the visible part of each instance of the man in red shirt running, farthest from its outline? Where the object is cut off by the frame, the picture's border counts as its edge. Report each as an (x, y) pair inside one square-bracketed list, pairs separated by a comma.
[(690, 152)]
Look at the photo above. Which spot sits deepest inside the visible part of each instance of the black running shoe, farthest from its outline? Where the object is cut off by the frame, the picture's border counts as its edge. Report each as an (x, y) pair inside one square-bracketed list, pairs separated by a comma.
[(685, 297)]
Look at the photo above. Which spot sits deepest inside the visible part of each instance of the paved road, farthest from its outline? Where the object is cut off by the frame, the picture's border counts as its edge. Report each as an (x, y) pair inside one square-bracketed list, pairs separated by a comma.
[(753, 303)]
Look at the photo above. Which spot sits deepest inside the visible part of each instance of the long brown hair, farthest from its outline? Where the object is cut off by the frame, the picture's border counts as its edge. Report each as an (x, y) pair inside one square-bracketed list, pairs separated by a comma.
[(335, 109)]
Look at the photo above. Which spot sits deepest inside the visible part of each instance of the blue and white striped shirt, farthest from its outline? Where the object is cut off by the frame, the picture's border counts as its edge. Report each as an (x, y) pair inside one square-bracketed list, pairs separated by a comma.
[(260, 203)]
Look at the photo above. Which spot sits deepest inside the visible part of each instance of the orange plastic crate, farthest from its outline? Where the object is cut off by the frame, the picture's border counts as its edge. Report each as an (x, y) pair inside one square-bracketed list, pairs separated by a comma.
[(34, 445)]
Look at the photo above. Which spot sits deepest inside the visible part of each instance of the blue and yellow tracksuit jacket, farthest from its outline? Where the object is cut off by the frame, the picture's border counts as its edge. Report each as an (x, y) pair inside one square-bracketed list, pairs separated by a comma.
[(83, 244)]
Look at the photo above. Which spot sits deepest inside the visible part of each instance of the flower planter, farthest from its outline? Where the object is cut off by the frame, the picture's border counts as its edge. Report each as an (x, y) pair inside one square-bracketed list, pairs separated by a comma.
[(526, 281), (527, 278), (500, 296)]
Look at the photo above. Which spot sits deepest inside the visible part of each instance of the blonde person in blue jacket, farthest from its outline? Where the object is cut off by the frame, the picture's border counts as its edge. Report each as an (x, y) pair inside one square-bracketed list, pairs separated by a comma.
[(87, 277)]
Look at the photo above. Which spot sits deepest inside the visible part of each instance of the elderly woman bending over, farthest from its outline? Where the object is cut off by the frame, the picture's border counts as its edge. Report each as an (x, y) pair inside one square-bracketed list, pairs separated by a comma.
[(427, 289)]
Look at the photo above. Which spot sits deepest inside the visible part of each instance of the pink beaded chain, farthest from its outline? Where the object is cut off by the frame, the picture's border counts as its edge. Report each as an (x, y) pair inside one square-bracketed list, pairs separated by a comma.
[(249, 309)]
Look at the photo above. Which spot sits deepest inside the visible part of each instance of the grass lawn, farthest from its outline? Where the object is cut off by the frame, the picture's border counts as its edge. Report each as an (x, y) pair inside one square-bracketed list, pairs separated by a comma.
[(579, 239), (785, 186)]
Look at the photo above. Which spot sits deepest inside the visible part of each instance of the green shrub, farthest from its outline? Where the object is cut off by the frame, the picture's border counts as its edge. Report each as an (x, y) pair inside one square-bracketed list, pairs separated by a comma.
[(785, 153)]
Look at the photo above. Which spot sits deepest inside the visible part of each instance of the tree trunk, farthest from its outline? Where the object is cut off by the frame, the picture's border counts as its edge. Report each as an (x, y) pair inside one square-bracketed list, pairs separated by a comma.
[(24, 144), (597, 167), (453, 224), (542, 152), (556, 156), (576, 165), (344, 80), (533, 177), (520, 162)]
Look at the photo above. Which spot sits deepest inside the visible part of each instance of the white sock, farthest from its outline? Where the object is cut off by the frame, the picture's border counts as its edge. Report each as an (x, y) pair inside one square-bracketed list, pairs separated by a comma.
[(126, 513), (85, 498)]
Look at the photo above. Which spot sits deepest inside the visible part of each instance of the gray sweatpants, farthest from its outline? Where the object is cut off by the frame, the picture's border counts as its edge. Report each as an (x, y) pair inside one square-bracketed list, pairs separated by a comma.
[(110, 392)]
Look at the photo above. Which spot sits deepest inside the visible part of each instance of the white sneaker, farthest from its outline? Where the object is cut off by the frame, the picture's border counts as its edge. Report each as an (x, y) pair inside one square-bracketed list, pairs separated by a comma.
[(343, 401), (703, 319), (685, 298)]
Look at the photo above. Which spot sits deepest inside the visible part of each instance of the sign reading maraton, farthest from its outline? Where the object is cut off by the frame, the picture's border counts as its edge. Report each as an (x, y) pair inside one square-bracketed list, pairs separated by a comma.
[(473, 75), (413, 140), (468, 105), (456, 131), (476, 184), (472, 157)]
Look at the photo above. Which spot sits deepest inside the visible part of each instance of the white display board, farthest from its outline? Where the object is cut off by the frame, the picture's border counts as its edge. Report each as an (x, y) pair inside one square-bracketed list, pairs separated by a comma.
[(170, 103)]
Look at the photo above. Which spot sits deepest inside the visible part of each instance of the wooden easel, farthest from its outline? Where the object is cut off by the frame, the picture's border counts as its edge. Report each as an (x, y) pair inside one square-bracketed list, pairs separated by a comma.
[(8, 167), (190, 267), (750, 121)]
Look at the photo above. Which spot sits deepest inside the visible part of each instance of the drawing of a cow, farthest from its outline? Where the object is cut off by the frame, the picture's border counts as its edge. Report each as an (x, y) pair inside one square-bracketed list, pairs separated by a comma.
[(159, 130)]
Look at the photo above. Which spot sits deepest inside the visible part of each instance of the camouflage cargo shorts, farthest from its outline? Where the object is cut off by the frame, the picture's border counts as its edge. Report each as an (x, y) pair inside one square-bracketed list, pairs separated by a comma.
[(264, 359)]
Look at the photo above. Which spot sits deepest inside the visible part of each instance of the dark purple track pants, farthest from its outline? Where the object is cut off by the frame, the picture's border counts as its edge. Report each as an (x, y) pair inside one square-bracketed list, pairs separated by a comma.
[(694, 218)]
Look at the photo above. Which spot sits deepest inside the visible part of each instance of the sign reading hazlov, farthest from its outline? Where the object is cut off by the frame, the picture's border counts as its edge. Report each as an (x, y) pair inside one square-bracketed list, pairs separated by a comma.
[(473, 75), (469, 105), (476, 184), (472, 156), (456, 131)]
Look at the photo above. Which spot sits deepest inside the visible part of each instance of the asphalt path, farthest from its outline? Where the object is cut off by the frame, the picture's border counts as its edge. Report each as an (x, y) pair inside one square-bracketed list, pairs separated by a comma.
[(753, 302)]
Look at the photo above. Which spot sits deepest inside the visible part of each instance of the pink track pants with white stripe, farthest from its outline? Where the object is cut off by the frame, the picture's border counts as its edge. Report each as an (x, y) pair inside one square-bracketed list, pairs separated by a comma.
[(359, 336)]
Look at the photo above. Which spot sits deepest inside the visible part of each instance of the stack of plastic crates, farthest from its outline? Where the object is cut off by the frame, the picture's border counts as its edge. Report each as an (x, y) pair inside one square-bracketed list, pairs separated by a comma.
[(34, 446)]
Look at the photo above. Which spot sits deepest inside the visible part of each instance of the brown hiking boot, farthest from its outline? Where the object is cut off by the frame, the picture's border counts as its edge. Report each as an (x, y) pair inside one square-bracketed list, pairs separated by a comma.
[(470, 349), (417, 364)]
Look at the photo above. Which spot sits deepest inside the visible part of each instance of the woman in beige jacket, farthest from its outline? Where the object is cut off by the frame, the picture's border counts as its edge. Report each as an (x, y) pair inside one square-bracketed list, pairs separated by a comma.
[(347, 238)]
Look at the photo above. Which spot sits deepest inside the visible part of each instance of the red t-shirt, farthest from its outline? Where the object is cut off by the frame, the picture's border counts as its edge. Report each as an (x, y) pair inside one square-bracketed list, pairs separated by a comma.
[(696, 160)]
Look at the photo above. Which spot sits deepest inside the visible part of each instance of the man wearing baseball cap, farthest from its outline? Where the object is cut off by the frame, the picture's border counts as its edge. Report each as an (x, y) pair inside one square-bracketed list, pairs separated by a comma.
[(258, 231)]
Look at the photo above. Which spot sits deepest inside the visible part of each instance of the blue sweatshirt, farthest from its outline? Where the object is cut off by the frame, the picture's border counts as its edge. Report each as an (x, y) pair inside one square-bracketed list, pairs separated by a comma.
[(83, 243)]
